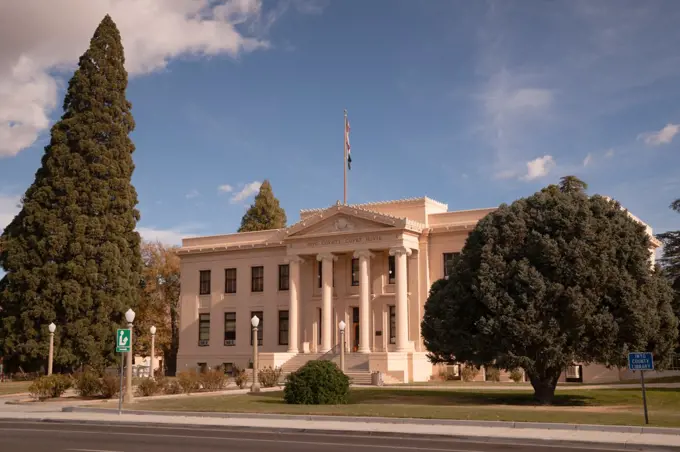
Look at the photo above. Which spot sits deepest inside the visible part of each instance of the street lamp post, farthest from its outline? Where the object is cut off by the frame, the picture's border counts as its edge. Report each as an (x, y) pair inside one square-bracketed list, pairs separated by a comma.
[(342, 345), (130, 317), (52, 328), (153, 343), (255, 321)]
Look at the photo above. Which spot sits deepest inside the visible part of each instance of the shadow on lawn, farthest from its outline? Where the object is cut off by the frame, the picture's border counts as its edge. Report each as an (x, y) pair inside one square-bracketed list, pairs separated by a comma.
[(443, 398)]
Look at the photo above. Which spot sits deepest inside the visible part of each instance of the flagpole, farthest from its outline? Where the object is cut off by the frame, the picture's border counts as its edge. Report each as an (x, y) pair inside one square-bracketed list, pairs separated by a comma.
[(344, 166)]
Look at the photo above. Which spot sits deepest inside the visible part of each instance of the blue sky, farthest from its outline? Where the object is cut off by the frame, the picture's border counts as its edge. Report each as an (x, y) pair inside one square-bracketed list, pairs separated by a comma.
[(470, 103)]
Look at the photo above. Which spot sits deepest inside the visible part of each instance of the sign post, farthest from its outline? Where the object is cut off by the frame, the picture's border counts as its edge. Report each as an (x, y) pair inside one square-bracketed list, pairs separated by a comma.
[(642, 361), (122, 346)]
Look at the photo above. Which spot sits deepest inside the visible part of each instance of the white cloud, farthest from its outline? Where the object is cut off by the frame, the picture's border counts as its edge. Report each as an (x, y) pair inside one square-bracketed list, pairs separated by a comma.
[(247, 191), (610, 153), (193, 194), (33, 46), (663, 136), (9, 207), (588, 160), (539, 167), (226, 188)]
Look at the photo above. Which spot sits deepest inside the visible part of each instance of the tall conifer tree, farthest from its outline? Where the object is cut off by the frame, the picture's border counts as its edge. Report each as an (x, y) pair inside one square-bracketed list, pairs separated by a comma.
[(72, 254), (265, 212)]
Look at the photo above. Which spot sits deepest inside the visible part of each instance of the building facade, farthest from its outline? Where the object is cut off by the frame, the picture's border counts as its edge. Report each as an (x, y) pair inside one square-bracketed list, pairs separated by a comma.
[(369, 265)]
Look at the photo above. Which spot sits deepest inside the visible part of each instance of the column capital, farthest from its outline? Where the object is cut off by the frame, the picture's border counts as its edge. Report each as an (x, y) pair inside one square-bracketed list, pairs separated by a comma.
[(326, 257), (363, 253), (400, 250), (293, 259)]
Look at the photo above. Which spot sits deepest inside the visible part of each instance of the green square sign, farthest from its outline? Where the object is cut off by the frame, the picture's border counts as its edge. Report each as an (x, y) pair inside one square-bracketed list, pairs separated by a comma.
[(123, 339)]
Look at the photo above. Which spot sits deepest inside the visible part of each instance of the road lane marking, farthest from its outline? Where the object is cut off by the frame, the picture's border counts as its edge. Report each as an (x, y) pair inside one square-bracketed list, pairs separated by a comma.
[(94, 450)]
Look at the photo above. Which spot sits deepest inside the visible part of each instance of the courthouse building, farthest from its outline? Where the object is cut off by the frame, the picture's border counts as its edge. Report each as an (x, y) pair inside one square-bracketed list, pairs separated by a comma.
[(369, 265)]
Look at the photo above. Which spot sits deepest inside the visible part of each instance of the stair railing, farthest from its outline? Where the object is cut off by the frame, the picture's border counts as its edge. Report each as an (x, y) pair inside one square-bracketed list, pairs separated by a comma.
[(330, 354)]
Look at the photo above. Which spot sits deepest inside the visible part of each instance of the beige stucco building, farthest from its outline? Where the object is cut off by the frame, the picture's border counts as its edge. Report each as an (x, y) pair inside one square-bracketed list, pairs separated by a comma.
[(369, 265)]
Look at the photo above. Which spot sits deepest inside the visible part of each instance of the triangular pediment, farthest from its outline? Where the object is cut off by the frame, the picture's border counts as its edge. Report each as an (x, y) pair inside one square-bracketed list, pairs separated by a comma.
[(344, 220)]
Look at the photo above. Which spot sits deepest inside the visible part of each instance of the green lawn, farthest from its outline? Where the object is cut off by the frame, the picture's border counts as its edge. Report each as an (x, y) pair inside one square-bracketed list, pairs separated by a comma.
[(14, 387), (611, 406)]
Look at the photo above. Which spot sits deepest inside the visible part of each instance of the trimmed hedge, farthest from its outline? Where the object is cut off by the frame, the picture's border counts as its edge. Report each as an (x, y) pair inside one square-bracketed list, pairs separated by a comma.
[(317, 383)]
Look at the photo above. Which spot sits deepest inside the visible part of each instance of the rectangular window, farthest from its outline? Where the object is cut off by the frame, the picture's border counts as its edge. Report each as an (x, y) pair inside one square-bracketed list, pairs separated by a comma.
[(257, 279), (355, 272), (391, 267), (260, 327), (230, 328), (204, 286), (449, 259), (230, 280), (228, 369), (203, 329), (283, 327), (318, 328), (393, 325), (284, 277)]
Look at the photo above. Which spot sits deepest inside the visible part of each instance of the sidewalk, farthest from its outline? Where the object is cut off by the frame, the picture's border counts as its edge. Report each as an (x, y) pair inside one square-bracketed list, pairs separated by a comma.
[(621, 436)]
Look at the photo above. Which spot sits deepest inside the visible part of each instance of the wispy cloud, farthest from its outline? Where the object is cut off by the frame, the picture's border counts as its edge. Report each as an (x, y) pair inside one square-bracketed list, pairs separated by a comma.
[(246, 192), (193, 194), (588, 160), (168, 236), (610, 153), (226, 188), (659, 137)]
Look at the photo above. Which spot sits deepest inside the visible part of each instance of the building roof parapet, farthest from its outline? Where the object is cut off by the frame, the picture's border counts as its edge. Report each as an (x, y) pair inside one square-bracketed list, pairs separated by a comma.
[(367, 205)]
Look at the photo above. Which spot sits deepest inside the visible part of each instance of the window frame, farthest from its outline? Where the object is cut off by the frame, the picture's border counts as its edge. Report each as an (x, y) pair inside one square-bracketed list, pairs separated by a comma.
[(392, 323), (228, 280), (204, 287), (284, 280), (201, 325), (391, 270), (254, 279), (283, 338), (354, 272), (446, 268), (232, 322)]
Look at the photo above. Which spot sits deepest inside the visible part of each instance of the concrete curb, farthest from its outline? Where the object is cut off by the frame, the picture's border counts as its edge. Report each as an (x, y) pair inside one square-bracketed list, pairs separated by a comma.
[(384, 420)]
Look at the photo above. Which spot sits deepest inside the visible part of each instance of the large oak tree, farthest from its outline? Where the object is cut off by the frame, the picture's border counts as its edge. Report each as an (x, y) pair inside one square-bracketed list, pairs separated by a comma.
[(72, 254), (554, 279)]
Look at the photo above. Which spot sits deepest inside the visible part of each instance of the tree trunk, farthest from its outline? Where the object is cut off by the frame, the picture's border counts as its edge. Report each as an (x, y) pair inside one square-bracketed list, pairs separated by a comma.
[(544, 385)]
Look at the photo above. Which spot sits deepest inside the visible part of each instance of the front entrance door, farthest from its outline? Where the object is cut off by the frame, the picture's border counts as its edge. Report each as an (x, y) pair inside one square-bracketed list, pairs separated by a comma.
[(355, 329)]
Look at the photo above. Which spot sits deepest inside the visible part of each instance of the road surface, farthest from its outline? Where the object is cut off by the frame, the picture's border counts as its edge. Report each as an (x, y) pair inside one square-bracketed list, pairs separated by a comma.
[(29, 436)]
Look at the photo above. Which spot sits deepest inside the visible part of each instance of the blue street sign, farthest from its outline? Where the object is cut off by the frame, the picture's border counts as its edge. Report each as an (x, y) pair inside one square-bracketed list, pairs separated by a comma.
[(640, 361)]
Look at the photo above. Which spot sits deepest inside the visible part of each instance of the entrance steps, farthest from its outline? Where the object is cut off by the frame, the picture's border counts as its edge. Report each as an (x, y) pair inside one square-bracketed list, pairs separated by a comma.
[(356, 365)]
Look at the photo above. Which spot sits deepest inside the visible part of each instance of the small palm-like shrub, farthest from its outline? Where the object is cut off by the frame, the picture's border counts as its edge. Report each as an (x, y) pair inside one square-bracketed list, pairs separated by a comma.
[(49, 386), (87, 384), (213, 380), (189, 380), (317, 383), (516, 375), (493, 374), (240, 376)]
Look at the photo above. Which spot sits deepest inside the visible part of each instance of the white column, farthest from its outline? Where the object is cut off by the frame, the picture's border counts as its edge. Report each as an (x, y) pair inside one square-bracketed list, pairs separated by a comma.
[(326, 260), (294, 305), (400, 254), (364, 306)]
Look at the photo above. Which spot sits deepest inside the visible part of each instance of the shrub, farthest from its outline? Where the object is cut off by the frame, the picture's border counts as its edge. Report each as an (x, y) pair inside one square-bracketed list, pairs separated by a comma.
[(173, 387), (269, 377), (189, 381), (109, 386), (468, 373), (493, 374), (87, 384), (317, 383), (148, 387), (240, 377), (49, 386), (516, 375), (213, 380)]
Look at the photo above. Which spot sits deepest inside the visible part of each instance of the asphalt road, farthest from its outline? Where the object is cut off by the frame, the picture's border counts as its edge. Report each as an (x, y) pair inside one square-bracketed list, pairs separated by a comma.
[(81, 437)]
